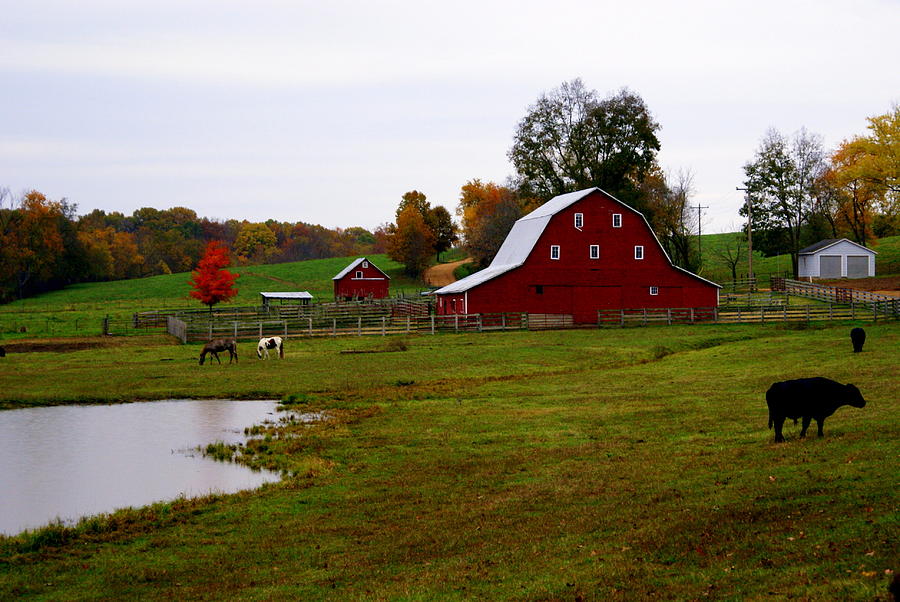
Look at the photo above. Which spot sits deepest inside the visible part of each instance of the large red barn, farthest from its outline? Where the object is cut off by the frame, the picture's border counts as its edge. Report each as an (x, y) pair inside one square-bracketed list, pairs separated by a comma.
[(361, 280), (578, 253)]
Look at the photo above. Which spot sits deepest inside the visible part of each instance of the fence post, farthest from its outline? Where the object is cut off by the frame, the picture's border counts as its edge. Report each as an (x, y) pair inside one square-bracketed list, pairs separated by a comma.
[(807, 315), (479, 323), (692, 315), (407, 323), (739, 315), (383, 320), (852, 310), (106, 325), (334, 327), (502, 321), (622, 317), (762, 315), (456, 323), (210, 331), (715, 315), (285, 328), (359, 326), (432, 323), (235, 331), (669, 316), (644, 323), (310, 326)]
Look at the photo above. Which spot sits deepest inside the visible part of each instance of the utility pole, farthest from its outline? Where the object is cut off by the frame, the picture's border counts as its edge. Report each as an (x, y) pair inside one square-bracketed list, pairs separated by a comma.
[(749, 201), (700, 232)]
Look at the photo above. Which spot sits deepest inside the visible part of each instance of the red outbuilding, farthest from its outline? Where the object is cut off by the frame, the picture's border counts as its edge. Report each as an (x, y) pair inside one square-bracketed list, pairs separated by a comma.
[(578, 253), (361, 280)]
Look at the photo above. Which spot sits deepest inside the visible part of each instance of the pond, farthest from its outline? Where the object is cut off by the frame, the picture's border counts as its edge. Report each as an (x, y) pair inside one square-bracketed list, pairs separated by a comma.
[(67, 462)]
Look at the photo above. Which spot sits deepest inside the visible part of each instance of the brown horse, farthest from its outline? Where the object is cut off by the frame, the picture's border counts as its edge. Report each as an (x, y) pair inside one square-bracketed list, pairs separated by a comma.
[(214, 347)]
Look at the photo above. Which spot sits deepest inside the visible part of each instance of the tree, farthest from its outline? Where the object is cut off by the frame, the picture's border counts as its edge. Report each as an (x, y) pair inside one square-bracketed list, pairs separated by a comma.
[(781, 183), (31, 244), (570, 139), (255, 243), (442, 227), (732, 253), (488, 212), (855, 194), (411, 242), (211, 283), (416, 199), (674, 221)]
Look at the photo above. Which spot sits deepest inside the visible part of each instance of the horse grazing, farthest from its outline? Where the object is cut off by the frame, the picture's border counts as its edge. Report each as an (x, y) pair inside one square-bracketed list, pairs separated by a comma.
[(270, 343), (214, 347)]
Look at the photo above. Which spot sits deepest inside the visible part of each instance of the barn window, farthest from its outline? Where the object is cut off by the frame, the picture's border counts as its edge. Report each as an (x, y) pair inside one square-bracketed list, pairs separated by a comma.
[(617, 220), (654, 290), (538, 289), (638, 251), (359, 275), (554, 251), (453, 305), (579, 220), (365, 264), (595, 251)]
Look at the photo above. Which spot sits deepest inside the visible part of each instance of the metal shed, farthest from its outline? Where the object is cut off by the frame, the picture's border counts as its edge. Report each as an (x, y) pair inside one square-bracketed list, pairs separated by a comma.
[(836, 258)]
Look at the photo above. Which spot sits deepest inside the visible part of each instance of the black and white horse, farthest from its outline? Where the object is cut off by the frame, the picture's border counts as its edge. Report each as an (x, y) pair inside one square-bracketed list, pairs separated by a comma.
[(214, 347), (270, 343)]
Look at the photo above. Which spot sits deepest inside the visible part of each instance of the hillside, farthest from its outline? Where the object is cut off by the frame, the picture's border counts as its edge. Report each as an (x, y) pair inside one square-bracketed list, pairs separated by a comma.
[(79, 309)]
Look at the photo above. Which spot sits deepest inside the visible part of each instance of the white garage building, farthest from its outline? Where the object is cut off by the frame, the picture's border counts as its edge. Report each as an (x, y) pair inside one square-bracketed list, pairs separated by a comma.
[(836, 258)]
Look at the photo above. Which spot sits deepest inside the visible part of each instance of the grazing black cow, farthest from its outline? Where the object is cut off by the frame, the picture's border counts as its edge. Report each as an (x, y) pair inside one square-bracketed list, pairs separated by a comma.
[(2, 352), (858, 337), (808, 398)]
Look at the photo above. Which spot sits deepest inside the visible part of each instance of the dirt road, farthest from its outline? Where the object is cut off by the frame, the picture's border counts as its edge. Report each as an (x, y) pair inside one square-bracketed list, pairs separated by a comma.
[(442, 273)]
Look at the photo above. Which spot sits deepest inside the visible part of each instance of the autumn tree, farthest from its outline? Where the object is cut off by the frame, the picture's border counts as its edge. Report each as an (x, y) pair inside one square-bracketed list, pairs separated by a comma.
[(488, 212), (255, 243), (31, 243), (443, 228), (780, 184), (211, 282), (674, 221), (571, 139), (411, 241)]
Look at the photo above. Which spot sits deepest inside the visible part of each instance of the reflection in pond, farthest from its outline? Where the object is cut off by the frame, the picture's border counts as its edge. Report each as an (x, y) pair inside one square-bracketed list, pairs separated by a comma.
[(71, 461)]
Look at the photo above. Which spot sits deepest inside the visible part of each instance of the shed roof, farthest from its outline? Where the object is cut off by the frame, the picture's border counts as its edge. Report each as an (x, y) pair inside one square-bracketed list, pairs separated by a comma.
[(287, 295), (355, 263), (829, 242), (523, 236)]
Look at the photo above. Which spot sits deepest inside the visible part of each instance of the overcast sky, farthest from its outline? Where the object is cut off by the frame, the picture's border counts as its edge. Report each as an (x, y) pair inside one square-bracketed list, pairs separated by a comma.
[(327, 112)]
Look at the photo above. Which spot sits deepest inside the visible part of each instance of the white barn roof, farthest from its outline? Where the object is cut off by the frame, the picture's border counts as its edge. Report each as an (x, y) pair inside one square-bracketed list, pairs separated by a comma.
[(287, 295), (355, 263), (524, 236)]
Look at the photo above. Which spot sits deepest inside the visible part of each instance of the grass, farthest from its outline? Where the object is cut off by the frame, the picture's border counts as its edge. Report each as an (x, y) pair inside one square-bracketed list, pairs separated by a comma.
[(593, 464), (79, 309)]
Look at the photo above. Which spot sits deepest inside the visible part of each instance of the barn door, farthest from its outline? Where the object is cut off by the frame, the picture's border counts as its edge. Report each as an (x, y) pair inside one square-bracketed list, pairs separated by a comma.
[(829, 266), (857, 266)]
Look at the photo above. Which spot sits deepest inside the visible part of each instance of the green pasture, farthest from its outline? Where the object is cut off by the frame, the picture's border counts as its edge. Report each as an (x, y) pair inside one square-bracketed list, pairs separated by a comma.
[(585, 464), (78, 310)]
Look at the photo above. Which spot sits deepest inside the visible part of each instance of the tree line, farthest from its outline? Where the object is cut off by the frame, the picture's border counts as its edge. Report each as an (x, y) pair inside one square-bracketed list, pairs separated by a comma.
[(45, 245), (799, 194)]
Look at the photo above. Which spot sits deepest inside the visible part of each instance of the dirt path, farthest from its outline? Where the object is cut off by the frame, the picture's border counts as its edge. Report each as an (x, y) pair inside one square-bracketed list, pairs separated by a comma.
[(442, 273)]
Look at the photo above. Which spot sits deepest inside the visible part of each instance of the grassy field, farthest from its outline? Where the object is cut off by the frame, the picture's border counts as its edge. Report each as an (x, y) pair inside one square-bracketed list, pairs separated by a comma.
[(717, 270), (79, 309), (584, 464)]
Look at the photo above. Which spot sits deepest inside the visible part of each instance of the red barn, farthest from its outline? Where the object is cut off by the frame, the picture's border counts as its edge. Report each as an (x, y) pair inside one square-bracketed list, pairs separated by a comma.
[(361, 280), (576, 254)]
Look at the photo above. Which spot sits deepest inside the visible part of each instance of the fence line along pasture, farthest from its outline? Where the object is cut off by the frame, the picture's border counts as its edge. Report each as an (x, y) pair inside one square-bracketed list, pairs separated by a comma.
[(345, 326), (833, 294)]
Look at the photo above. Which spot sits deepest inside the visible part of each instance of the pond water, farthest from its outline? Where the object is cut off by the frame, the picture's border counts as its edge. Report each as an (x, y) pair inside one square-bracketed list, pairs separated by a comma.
[(67, 462)]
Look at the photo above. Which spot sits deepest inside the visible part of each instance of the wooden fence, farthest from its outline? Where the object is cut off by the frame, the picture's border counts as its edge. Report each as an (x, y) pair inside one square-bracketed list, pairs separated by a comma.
[(719, 315), (355, 326), (883, 304)]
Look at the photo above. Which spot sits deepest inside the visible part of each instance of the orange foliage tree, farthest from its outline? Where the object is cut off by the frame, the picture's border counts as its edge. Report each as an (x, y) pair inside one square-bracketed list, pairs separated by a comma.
[(411, 241), (31, 243), (210, 281), (488, 212)]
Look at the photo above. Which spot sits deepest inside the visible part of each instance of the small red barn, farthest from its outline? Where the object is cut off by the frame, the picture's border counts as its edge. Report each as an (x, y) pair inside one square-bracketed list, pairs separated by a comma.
[(361, 280), (578, 253)]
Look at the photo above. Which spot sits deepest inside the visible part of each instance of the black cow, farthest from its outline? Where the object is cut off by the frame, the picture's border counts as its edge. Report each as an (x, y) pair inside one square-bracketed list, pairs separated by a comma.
[(858, 337), (808, 398), (2, 352)]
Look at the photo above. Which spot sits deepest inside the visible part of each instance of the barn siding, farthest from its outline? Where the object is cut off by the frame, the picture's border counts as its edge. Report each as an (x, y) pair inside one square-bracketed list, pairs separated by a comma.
[(373, 284), (576, 284)]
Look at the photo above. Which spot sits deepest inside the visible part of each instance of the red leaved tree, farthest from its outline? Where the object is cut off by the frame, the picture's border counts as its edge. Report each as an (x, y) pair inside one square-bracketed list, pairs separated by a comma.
[(210, 281)]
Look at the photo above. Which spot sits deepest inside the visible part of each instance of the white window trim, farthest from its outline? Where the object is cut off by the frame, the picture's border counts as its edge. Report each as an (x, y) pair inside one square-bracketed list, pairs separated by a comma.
[(617, 220), (579, 217), (591, 253), (554, 249), (654, 291), (365, 264), (358, 275), (639, 252)]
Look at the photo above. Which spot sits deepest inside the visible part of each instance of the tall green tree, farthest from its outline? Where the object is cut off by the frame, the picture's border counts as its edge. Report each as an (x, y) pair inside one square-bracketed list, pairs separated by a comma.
[(572, 139), (781, 185)]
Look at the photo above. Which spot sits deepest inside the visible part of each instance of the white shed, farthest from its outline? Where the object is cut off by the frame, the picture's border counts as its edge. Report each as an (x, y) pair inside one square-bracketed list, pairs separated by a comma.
[(836, 258)]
